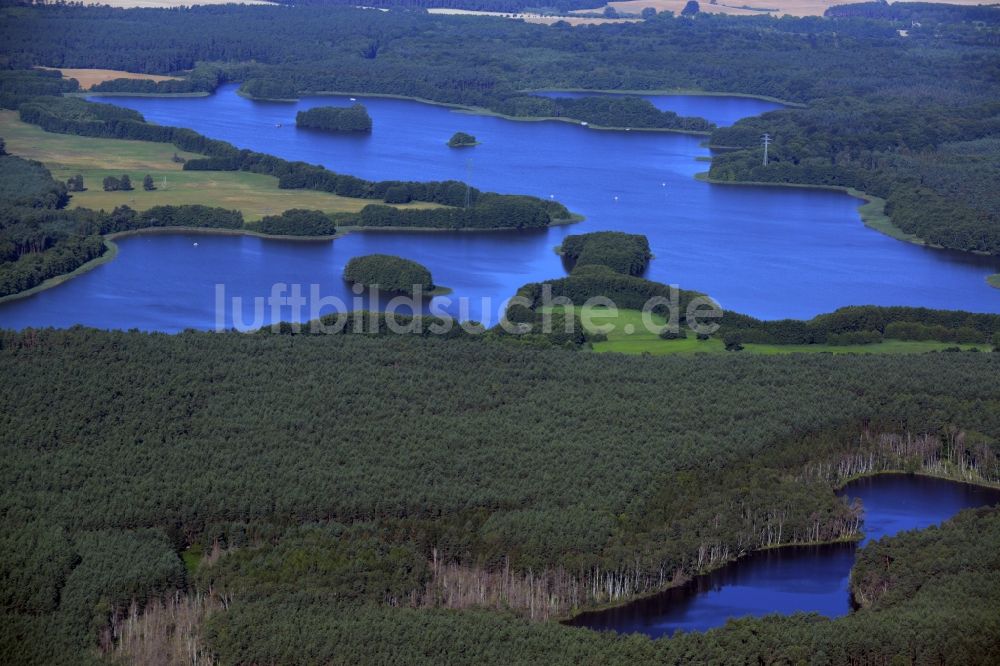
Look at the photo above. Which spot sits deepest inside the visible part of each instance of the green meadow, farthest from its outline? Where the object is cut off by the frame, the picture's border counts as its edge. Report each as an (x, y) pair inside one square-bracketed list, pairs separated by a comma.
[(629, 334), (255, 195)]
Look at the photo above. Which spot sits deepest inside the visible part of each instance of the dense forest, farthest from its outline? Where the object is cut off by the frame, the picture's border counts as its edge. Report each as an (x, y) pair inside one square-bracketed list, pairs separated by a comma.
[(389, 273), (354, 118), (860, 324), (37, 239), (351, 502), (296, 222), (912, 119), (621, 252)]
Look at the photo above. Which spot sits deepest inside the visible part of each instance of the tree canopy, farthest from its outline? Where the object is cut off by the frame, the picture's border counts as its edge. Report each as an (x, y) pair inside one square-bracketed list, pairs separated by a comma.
[(389, 273), (354, 118)]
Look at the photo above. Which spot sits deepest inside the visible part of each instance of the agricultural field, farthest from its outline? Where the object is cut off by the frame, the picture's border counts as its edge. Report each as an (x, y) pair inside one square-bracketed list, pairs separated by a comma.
[(88, 78), (739, 7), (255, 195)]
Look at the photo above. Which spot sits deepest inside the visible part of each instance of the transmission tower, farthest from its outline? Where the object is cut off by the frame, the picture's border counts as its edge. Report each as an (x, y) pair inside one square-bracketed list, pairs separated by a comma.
[(766, 140)]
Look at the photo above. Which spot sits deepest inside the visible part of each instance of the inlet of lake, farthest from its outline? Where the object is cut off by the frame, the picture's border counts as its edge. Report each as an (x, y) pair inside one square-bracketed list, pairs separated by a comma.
[(767, 251), (795, 578)]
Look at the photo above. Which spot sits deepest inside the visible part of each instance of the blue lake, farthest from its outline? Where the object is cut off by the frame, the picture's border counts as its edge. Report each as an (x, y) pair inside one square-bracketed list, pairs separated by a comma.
[(795, 579), (769, 252)]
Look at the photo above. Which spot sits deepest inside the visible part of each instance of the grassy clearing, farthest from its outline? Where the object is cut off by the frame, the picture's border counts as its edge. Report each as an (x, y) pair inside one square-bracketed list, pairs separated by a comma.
[(630, 335), (255, 195), (192, 558), (873, 215)]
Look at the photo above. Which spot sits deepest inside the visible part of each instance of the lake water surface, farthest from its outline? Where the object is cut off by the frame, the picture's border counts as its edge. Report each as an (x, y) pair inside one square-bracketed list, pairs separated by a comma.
[(770, 252), (794, 579)]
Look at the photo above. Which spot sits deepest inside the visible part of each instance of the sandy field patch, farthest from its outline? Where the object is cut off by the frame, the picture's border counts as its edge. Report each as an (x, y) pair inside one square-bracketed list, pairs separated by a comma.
[(88, 78), (745, 7)]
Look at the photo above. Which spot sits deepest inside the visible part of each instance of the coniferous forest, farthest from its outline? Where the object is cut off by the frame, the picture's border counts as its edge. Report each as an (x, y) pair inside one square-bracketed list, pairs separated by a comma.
[(354, 491), (305, 485)]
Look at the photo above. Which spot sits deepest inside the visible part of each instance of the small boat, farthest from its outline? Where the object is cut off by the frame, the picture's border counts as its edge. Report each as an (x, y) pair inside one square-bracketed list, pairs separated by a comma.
[(584, 124), (277, 124), (354, 99), (196, 245)]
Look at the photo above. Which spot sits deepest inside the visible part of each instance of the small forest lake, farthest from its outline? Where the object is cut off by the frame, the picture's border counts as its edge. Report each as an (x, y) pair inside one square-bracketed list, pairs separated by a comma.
[(795, 578), (772, 252)]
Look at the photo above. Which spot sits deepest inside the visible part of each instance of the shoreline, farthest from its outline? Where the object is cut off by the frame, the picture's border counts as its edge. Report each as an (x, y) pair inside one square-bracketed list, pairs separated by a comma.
[(872, 211), (672, 92), (922, 472), (438, 290), (798, 544), (473, 110), (109, 254), (483, 111), (709, 570), (659, 92), (112, 247), (216, 231), (99, 93)]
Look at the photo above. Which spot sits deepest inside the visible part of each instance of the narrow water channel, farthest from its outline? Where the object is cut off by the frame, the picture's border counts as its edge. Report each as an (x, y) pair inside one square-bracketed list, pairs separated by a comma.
[(794, 579)]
